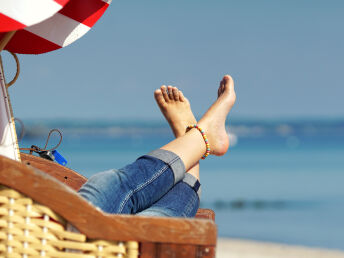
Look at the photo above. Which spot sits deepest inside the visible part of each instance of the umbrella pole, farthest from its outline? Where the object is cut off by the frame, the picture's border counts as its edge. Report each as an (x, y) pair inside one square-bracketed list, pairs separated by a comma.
[(6, 39), (8, 136)]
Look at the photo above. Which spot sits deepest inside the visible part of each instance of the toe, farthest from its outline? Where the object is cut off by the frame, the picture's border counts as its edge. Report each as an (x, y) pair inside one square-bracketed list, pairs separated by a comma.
[(221, 87), (181, 96), (228, 83), (170, 92), (159, 97), (164, 93), (229, 88), (175, 92)]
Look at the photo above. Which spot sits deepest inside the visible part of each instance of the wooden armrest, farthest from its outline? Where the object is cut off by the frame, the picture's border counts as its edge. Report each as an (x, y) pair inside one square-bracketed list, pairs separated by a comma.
[(95, 224), (61, 173), (205, 214)]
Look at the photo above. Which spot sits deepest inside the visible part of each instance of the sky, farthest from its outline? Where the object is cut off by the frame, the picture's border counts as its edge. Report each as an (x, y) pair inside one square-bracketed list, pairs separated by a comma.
[(286, 58)]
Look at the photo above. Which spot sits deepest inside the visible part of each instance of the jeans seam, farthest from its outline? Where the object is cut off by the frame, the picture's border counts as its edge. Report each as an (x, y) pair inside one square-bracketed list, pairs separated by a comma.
[(175, 159), (131, 192)]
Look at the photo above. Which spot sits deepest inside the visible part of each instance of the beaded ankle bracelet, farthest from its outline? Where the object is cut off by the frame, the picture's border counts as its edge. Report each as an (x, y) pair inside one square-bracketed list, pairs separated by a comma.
[(189, 127)]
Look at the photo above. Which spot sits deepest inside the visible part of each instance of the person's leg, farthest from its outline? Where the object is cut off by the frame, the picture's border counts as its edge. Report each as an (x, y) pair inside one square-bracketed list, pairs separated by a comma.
[(176, 109), (114, 191), (183, 199), (136, 186), (150, 177)]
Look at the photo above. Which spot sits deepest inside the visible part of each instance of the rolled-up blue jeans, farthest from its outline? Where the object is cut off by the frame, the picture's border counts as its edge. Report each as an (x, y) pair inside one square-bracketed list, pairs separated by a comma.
[(154, 185)]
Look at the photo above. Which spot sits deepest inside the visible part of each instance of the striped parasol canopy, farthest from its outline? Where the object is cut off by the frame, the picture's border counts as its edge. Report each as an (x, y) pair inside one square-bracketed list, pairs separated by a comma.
[(35, 27), (63, 28), (18, 14)]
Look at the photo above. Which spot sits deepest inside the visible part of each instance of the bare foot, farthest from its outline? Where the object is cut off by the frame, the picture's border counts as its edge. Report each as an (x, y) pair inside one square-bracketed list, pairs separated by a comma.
[(213, 121), (175, 108)]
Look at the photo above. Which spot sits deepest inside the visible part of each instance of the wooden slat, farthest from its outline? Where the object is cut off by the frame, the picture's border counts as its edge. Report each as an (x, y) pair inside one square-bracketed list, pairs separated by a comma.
[(173, 250), (96, 224), (163, 250), (147, 250)]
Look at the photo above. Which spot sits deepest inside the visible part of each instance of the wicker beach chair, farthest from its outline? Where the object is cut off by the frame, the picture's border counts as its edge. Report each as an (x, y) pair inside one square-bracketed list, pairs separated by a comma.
[(36, 209), (39, 210), (41, 214)]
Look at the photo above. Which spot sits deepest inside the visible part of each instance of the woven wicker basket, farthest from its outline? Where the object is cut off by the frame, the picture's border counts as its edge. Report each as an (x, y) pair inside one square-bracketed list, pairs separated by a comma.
[(28, 229)]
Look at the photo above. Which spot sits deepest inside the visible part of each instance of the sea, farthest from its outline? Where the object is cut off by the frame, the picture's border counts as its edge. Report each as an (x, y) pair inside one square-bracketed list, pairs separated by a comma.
[(280, 181)]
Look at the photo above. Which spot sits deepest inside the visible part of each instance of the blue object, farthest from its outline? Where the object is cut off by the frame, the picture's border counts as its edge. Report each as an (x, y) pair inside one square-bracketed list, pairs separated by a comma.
[(59, 159)]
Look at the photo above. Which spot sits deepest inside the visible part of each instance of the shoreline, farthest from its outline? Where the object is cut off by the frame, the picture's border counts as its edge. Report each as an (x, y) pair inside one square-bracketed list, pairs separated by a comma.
[(240, 248)]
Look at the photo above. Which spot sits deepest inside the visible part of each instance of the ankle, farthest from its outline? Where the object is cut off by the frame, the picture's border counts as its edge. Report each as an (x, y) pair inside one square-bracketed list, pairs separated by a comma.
[(204, 136), (205, 128)]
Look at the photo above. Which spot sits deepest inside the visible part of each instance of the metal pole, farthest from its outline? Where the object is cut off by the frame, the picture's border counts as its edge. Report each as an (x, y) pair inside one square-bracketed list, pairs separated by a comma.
[(8, 136)]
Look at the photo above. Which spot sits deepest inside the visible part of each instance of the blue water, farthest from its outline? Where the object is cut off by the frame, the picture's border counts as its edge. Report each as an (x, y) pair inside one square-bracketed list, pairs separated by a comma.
[(281, 182)]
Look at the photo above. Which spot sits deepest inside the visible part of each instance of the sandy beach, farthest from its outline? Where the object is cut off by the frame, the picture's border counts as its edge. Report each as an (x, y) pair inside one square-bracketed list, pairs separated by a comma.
[(235, 248)]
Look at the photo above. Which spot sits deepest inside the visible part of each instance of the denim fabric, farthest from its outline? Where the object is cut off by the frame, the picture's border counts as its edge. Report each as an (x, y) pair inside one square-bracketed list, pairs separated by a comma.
[(169, 157), (145, 183), (181, 201)]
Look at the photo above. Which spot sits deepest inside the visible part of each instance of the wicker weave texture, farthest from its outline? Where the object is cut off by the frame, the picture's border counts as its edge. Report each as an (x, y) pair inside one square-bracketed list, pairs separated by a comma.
[(28, 229)]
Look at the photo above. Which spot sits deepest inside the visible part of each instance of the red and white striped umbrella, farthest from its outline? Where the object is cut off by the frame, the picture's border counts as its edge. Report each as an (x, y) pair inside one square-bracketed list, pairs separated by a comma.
[(18, 14), (63, 28)]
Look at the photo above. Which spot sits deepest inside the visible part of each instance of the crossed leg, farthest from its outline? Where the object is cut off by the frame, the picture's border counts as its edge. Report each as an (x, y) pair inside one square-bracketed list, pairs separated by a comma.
[(184, 197), (177, 111), (139, 185)]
